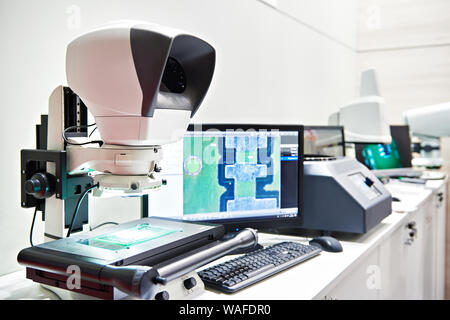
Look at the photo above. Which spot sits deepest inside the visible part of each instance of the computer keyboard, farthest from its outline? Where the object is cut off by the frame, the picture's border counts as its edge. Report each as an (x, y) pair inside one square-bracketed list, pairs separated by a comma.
[(252, 267)]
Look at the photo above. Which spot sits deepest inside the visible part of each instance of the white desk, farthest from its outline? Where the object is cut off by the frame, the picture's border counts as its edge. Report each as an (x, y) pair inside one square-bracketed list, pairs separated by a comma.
[(325, 276), (313, 278)]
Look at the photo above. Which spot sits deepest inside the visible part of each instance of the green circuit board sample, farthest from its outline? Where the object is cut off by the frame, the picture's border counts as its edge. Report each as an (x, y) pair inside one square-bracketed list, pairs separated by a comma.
[(129, 237)]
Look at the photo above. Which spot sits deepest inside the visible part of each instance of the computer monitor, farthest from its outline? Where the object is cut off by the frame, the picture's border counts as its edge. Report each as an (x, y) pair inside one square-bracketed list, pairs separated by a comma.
[(387, 156), (238, 175), (324, 141)]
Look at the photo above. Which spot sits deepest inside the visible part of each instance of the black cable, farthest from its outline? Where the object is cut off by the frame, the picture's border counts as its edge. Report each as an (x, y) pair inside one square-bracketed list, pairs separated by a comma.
[(104, 224), (32, 226), (100, 142), (69, 231), (90, 134)]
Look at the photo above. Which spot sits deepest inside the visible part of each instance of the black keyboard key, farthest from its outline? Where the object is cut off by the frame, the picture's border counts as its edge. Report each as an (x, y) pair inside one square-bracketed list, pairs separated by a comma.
[(260, 270)]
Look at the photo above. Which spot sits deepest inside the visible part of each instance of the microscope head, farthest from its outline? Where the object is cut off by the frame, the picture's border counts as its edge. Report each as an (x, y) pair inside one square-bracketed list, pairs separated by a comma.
[(142, 82), (365, 118)]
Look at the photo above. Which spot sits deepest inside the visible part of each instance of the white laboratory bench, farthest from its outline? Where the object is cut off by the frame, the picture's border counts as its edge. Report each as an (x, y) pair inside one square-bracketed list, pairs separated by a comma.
[(385, 263)]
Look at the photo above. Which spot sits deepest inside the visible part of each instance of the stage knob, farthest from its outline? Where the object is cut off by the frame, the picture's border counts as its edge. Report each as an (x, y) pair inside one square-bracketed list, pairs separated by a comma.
[(40, 185), (190, 283), (163, 295)]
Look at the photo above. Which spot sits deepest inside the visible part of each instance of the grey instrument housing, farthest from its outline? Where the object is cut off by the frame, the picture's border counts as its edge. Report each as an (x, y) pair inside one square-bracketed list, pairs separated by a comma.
[(334, 203), (151, 53)]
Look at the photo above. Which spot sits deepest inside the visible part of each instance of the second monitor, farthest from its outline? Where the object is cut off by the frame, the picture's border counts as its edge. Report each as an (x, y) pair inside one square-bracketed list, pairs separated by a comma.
[(324, 141), (236, 175), (398, 154)]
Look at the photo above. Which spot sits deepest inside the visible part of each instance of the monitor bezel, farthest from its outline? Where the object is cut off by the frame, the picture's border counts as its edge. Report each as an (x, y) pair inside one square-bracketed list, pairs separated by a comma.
[(234, 225), (405, 150), (341, 128)]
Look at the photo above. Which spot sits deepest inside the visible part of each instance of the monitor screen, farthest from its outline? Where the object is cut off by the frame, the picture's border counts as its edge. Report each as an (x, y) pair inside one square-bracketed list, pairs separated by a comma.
[(387, 156), (324, 141), (236, 175)]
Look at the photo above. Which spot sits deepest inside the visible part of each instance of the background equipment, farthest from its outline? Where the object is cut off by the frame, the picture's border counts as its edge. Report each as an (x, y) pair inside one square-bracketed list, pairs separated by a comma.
[(370, 107), (429, 124), (324, 140), (343, 195)]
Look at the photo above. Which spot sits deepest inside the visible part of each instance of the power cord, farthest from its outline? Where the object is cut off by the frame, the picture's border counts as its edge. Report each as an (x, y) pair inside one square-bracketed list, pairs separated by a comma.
[(32, 226), (103, 224), (69, 231), (90, 134), (100, 142)]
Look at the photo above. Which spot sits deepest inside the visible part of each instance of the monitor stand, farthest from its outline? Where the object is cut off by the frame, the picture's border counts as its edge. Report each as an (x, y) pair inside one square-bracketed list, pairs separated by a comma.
[(230, 235)]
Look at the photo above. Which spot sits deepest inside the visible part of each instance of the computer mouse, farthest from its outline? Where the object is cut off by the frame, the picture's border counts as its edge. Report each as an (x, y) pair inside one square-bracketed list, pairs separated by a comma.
[(326, 243)]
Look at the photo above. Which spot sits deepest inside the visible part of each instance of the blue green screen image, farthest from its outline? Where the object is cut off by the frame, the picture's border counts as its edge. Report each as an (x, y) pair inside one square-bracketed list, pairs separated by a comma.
[(126, 238), (382, 156), (229, 173)]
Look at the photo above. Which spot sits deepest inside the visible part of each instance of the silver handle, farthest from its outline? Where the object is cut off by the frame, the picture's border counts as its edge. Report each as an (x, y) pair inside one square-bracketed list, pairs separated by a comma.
[(245, 238), (140, 281)]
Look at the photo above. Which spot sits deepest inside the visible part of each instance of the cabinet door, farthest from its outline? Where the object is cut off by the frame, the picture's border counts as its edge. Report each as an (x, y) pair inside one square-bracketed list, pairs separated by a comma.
[(427, 239), (433, 245), (401, 259), (414, 264), (394, 264), (439, 231), (362, 283)]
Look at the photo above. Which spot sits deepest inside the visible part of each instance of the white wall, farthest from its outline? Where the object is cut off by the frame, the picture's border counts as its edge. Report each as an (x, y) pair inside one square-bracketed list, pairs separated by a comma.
[(408, 42), (292, 63)]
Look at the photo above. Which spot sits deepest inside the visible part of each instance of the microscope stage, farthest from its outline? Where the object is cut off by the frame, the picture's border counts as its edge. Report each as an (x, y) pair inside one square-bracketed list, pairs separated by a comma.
[(147, 241)]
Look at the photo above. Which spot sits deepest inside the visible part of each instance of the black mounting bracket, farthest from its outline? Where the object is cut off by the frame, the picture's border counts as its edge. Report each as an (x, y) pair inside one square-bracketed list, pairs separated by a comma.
[(67, 188), (33, 161)]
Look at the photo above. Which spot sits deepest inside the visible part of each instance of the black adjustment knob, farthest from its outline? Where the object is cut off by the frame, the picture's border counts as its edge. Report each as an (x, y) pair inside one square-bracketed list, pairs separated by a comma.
[(190, 283), (33, 186), (163, 295), (40, 185), (369, 182), (411, 225)]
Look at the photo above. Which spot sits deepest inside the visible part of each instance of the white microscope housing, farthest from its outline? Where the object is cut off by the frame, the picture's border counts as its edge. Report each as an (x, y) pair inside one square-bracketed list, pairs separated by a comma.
[(365, 118), (429, 124), (142, 83)]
